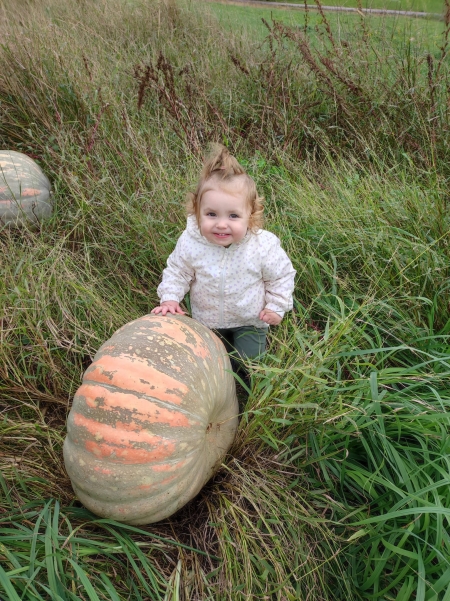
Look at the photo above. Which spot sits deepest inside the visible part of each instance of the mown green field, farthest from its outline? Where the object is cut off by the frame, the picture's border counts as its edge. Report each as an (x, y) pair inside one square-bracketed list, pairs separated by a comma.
[(436, 7), (247, 21), (337, 487)]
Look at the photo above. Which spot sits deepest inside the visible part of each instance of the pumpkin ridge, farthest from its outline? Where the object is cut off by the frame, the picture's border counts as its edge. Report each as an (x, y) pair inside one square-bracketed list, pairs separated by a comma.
[(107, 433), (201, 363), (158, 510), (102, 443), (128, 484), (176, 459), (196, 345), (186, 457), (162, 338), (116, 413), (186, 349), (125, 369), (164, 404), (159, 332)]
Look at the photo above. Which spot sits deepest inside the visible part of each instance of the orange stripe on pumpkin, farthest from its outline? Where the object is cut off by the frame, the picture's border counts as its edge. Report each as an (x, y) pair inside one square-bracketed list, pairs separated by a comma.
[(102, 470), (30, 192), (170, 467), (116, 444), (123, 456), (159, 485), (111, 347), (135, 374), (173, 329), (143, 409)]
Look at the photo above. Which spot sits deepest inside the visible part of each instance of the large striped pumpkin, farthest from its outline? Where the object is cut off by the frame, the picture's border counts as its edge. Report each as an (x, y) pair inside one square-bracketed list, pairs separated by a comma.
[(25, 195), (152, 420)]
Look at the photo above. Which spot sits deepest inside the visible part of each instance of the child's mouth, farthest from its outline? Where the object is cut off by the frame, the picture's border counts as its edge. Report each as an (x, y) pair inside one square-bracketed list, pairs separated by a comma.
[(222, 235)]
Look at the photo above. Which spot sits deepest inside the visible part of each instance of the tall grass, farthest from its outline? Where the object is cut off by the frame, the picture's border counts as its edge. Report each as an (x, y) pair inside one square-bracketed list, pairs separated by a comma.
[(337, 484), (374, 432)]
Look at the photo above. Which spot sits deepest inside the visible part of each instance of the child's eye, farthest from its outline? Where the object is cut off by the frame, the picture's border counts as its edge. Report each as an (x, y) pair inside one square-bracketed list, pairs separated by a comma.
[(234, 216), (210, 214)]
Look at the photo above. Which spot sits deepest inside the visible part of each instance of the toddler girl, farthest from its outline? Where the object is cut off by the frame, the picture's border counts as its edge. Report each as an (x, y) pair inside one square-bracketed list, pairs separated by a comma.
[(240, 279)]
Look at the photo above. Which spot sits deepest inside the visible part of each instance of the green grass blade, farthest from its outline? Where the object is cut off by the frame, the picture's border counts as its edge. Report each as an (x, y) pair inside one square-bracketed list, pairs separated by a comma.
[(84, 580), (7, 586)]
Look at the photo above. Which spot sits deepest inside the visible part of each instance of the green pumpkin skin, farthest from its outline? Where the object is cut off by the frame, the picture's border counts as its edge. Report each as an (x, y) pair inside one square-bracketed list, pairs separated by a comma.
[(152, 421), (25, 194)]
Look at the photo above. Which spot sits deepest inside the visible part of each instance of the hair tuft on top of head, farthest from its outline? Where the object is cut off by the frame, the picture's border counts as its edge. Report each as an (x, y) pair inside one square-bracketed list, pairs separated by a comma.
[(221, 163)]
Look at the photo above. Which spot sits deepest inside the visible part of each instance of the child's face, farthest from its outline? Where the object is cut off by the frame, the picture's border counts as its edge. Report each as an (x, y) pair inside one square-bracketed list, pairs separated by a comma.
[(224, 216)]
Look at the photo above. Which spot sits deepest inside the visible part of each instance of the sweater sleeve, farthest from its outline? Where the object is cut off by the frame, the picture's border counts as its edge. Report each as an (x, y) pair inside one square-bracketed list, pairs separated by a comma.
[(177, 276), (278, 275)]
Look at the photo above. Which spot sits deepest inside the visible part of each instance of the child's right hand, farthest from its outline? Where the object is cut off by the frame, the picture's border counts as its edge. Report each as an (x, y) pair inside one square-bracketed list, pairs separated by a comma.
[(168, 307)]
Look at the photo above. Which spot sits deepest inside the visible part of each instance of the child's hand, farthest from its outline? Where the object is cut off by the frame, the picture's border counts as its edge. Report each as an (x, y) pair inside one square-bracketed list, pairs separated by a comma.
[(168, 307), (270, 317)]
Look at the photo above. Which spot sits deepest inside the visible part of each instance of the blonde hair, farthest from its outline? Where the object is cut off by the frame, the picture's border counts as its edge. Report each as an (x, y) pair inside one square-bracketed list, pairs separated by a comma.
[(221, 170)]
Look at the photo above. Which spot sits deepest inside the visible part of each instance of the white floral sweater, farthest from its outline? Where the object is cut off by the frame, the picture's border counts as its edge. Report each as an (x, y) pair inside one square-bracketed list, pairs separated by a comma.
[(229, 286)]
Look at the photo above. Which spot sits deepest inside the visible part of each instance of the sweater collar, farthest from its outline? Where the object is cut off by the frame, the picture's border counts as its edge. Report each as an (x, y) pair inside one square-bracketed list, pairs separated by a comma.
[(194, 230)]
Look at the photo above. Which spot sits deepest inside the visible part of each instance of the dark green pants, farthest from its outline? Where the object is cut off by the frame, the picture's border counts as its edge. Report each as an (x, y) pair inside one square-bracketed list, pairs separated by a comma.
[(247, 342)]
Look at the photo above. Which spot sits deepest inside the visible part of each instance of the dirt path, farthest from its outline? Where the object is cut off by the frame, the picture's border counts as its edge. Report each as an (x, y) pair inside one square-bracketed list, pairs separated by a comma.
[(346, 9)]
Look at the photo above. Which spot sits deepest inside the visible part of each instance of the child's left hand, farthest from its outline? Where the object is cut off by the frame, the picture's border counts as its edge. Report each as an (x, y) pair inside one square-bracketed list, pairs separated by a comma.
[(270, 317)]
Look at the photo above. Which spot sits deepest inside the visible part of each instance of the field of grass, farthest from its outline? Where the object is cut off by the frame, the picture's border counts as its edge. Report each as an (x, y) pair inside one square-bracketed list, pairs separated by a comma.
[(337, 487)]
